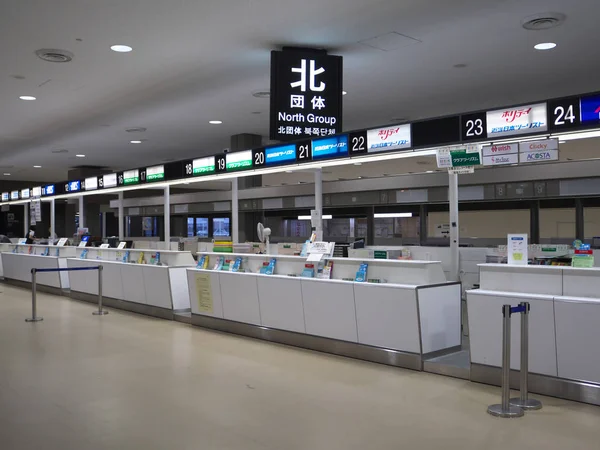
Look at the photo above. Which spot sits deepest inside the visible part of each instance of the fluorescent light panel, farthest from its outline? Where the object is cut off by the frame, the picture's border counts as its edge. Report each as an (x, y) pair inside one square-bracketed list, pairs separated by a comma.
[(325, 217), (391, 215)]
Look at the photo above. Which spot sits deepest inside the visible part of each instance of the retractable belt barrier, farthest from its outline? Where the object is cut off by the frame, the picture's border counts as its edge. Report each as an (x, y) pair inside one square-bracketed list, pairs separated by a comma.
[(514, 407), (34, 272)]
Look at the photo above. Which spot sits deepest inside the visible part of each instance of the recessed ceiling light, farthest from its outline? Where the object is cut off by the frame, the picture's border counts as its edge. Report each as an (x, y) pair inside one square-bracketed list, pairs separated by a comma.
[(359, 178), (121, 48), (37, 167), (344, 93), (215, 122), (135, 142), (545, 46), (27, 97), (7, 174), (80, 156)]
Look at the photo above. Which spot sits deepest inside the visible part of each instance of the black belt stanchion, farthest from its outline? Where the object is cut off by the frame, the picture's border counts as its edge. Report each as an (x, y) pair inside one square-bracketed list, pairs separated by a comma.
[(505, 409), (523, 401), (34, 317)]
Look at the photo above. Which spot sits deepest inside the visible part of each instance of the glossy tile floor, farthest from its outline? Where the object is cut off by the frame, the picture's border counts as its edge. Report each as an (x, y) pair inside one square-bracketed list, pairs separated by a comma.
[(77, 381)]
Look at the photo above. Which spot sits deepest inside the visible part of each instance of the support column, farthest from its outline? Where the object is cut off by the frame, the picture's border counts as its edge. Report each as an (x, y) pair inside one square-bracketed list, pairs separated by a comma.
[(167, 216), (81, 213), (454, 227), (121, 218), (103, 225), (25, 219), (52, 219), (235, 213), (579, 220), (370, 226), (534, 222), (319, 203), (423, 225)]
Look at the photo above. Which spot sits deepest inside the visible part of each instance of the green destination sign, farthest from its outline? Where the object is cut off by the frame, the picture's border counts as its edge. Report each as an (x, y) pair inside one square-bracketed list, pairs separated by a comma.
[(461, 158)]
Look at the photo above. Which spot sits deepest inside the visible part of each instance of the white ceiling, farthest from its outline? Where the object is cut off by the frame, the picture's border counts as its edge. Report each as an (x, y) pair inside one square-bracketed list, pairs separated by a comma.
[(197, 61)]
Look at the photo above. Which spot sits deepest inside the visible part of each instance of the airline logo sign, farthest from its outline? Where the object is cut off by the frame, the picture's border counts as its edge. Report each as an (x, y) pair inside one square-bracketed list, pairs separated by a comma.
[(391, 138), (514, 121), (538, 151), (497, 155), (499, 160), (504, 149)]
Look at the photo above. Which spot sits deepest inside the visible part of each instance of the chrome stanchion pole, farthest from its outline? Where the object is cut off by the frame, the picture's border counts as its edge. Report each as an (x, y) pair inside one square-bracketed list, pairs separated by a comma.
[(523, 401), (34, 317), (100, 311), (505, 409)]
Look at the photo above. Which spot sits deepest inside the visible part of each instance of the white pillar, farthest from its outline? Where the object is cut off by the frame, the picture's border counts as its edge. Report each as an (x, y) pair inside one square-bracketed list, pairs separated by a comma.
[(103, 225), (81, 213), (454, 227), (121, 218), (25, 219), (235, 215), (319, 203), (52, 219), (167, 215)]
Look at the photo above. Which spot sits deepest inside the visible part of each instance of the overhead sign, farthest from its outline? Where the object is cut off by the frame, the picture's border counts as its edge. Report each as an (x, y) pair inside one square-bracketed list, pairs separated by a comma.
[(462, 158), (590, 109), (331, 147), (25, 194), (73, 186), (239, 160), (273, 156), (109, 180), (156, 173), (389, 138), (5, 196), (131, 177), (91, 183), (36, 191), (48, 190), (306, 94), (14, 195), (538, 151), (516, 121)]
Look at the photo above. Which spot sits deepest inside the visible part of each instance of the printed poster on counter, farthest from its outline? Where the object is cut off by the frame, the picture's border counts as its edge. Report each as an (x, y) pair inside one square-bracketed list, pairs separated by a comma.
[(204, 293), (517, 249)]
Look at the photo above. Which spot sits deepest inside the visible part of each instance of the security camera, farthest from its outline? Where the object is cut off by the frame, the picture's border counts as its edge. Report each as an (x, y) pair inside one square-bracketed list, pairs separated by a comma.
[(226, 150)]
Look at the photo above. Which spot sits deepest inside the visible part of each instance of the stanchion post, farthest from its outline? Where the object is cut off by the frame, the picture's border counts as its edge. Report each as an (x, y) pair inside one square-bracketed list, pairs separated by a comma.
[(505, 409), (100, 311), (523, 401), (34, 317)]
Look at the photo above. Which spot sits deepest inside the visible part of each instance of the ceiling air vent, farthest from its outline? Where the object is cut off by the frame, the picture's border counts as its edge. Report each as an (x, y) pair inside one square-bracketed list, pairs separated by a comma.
[(54, 55), (543, 21), (262, 94)]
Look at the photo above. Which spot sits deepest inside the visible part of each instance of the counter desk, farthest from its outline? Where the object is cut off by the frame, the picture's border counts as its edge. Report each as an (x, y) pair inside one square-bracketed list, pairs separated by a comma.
[(19, 259), (564, 331), (412, 312), (145, 288)]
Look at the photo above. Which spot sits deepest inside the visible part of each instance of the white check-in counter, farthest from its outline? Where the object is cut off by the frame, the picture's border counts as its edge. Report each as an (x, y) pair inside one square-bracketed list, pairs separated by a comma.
[(414, 313), (564, 327), (19, 259), (157, 290)]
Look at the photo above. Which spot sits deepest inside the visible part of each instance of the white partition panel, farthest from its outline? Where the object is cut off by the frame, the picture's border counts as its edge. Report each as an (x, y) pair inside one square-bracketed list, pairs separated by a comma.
[(545, 280), (581, 282), (179, 288), (17, 266), (112, 282), (485, 330), (157, 286), (85, 281), (387, 316), (281, 303), (329, 309), (440, 316), (578, 338), (132, 277), (215, 298), (239, 293)]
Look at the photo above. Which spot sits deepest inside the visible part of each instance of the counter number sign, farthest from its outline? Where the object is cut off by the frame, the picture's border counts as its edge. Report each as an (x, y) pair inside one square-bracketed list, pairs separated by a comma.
[(564, 114), (358, 143), (473, 127), (304, 151), (220, 163)]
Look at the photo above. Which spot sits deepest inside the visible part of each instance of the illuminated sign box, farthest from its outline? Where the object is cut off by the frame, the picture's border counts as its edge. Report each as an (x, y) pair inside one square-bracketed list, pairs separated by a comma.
[(515, 121), (131, 177), (14, 195), (203, 166), (109, 180), (239, 160), (156, 173), (48, 190), (25, 194), (280, 155), (36, 191), (388, 138), (335, 146), (91, 184), (5, 196)]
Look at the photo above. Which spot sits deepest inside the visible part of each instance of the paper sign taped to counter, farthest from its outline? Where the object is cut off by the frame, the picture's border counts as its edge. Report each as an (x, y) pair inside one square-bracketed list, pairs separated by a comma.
[(204, 293)]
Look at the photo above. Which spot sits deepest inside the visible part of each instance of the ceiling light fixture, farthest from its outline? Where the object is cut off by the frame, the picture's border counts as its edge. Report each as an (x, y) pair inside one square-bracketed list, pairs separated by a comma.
[(37, 167), (80, 156), (27, 97), (344, 93), (215, 122), (325, 217), (545, 46), (135, 142), (391, 215), (121, 48), (7, 174)]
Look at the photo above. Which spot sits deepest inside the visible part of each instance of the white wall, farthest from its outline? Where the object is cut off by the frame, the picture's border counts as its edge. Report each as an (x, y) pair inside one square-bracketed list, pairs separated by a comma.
[(557, 223), (483, 224)]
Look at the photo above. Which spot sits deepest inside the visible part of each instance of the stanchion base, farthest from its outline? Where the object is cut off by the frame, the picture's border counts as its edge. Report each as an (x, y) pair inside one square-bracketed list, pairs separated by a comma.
[(513, 411), (34, 319), (100, 313), (530, 403)]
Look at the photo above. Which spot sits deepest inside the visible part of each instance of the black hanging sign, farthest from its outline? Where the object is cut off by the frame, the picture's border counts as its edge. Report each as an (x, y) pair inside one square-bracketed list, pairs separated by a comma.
[(306, 94)]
